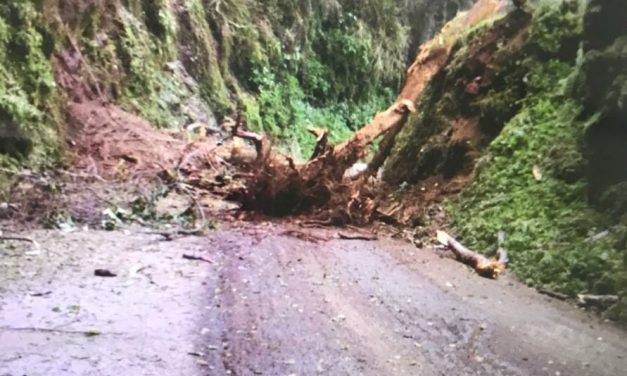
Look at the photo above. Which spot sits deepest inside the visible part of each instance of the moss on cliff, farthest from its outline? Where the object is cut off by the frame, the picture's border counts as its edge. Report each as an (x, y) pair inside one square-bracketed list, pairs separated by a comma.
[(29, 99), (535, 122), (532, 181)]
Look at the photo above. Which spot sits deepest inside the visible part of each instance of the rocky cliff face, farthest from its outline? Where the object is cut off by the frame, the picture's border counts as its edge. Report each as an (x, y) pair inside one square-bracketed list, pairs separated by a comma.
[(426, 18), (603, 87)]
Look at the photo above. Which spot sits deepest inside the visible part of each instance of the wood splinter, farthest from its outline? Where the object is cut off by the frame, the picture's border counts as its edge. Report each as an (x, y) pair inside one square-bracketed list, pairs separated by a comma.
[(485, 267)]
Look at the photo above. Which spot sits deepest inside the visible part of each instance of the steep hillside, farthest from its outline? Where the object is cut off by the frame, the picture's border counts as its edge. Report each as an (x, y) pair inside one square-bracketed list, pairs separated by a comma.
[(529, 125), (286, 64)]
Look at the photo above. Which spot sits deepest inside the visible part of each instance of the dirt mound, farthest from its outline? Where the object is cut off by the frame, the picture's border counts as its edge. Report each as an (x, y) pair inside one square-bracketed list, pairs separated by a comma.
[(116, 156), (113, 143)]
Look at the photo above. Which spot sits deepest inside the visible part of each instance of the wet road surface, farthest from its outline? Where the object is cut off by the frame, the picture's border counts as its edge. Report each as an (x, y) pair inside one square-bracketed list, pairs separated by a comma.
[(270, 304)]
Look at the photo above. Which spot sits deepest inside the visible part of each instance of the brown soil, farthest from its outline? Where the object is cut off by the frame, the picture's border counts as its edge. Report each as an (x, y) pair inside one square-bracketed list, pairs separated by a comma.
[(113, 143), (464, 130), (419, 207)]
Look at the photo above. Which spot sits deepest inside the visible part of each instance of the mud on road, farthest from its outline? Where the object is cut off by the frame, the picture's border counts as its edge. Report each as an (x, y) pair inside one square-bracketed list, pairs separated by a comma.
[(270, 304)]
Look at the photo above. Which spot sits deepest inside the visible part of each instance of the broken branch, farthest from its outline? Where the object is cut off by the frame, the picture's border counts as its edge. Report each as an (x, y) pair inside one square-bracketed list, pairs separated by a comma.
[(308, 237), (489, 268), (601, 302), (344, 236), (17, 239), (196, 258), (322, 141)]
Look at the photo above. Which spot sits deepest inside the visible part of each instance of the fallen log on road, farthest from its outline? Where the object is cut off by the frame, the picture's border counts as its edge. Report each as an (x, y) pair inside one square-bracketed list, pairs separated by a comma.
[(485, 267)]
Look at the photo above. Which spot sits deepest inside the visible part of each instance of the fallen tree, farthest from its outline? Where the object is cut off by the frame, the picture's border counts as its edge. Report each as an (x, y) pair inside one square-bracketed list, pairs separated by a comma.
[(277, 185)]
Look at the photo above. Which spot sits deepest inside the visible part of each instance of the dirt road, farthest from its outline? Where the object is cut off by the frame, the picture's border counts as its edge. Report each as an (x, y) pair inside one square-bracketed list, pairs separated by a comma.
[(270, 304)]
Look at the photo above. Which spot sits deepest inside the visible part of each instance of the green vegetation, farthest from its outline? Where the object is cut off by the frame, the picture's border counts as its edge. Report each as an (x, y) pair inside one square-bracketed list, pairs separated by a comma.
[(283, 85), (29, 101), (532, 180), (283, 110), (330, 64), (148, 87), (286, 63)]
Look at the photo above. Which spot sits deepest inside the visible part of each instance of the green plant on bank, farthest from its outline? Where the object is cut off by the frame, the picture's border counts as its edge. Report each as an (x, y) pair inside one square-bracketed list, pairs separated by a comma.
[(283, 111), (147, 88), (531, 182)]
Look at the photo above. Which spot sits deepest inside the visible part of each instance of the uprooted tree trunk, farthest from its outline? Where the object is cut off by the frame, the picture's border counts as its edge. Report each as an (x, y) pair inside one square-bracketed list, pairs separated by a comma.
[(279, 186)]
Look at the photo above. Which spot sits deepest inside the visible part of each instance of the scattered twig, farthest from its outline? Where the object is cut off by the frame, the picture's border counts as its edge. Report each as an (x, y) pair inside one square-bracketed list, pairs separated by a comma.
[(304, 236), (601, 302), (40, 294), (83, 176), (170, 235), (187, 256), (366, 237), (17, 239), (317, 223), (88, 332), (104, 273), (552, 294)]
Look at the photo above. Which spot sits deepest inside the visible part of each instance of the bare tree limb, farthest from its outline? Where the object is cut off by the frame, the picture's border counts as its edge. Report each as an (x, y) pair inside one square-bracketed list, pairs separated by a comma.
[(490, 268)]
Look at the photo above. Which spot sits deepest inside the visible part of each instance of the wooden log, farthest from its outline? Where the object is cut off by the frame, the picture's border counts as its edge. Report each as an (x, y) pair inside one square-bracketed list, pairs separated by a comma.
[(485, 267)]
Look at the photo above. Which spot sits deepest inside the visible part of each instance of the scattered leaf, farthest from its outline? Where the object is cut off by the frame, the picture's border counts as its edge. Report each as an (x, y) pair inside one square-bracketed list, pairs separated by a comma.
[(537, 173), (92, 333)]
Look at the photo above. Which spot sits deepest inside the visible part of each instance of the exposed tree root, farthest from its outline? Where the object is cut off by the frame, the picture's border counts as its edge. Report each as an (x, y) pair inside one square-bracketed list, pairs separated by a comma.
[(276, 185), (280, 187)]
